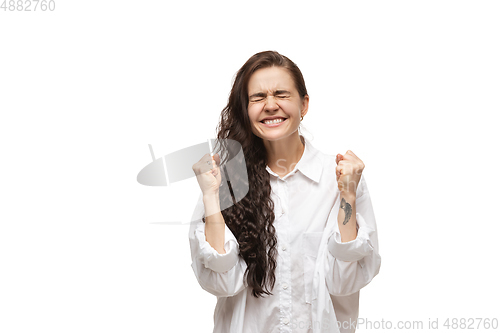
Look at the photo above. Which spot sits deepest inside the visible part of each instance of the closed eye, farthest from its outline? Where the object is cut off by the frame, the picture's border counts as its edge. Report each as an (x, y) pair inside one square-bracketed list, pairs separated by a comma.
[(256, 99)]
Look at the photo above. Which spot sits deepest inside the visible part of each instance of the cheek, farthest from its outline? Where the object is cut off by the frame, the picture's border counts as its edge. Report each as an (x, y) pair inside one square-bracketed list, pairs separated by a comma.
[(253, 112), (289, 107)]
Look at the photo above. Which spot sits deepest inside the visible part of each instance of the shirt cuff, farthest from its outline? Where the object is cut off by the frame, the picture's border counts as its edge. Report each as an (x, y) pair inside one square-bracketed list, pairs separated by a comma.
[(357, 248), (214, 260)]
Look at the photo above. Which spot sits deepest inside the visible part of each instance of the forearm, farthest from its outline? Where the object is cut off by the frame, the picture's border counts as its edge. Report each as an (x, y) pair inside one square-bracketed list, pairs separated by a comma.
[(214, 223), (347, 217)]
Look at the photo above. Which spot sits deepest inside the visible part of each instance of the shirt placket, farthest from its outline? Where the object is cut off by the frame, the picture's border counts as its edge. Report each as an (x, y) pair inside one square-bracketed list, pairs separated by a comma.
[(285, 286)]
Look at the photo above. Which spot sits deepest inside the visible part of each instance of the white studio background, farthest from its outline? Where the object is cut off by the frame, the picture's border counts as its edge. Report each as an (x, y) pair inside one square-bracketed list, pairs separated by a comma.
[(410, 86)]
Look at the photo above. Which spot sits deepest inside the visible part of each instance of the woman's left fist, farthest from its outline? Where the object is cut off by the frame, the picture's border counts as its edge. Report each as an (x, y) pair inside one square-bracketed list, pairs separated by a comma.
[(349, 169)]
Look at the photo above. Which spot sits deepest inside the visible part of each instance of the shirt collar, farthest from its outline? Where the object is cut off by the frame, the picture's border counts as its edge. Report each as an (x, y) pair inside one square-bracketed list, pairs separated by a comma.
[(310, 163)]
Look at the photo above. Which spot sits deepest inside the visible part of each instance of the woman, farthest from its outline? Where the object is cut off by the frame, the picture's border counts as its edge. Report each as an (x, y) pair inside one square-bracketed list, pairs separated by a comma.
[(293, 254)]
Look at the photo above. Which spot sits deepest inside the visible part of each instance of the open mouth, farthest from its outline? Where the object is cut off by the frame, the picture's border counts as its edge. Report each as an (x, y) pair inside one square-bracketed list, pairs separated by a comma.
[(274, 121)]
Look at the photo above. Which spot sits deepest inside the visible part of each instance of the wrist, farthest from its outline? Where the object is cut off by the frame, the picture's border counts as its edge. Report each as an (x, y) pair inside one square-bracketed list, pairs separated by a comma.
[(212, 204), (211, 200), (211, 196), (348, 195)]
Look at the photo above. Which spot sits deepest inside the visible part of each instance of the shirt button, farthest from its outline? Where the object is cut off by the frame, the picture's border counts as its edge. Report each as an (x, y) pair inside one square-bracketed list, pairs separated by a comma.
[(283, 248), (285, 286), (286, 320)]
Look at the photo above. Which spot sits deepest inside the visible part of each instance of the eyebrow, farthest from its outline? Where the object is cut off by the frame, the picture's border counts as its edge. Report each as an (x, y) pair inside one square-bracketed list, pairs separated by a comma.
[(277, 92)]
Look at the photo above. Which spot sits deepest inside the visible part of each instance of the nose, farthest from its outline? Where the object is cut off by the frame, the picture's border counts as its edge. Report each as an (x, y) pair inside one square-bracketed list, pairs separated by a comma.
[(271, 104)]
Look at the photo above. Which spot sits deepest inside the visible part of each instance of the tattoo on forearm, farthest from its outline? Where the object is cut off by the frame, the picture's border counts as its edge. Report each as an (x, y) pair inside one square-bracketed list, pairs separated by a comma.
[(347, 210)]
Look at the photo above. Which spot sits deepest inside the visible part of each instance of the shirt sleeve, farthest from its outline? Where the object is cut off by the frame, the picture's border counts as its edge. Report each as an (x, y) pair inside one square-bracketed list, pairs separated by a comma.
[(352, 265), (219, 274)]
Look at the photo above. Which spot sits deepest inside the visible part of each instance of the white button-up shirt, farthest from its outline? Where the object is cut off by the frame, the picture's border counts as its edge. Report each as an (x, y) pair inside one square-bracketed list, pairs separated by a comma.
[(318, 277)]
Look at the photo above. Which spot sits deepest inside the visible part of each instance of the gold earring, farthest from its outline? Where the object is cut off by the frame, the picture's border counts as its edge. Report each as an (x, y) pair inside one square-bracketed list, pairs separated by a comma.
[(301, 118)]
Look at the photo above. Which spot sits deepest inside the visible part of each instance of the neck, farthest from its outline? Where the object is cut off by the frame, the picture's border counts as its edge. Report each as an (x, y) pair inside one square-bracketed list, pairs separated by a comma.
[(284, 154)]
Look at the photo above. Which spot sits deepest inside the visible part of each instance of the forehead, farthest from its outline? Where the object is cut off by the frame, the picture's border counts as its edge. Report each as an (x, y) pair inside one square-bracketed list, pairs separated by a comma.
[(270, 79)]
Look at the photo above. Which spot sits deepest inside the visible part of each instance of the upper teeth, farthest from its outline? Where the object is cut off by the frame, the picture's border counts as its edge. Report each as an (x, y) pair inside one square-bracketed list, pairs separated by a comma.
[(274, 121)]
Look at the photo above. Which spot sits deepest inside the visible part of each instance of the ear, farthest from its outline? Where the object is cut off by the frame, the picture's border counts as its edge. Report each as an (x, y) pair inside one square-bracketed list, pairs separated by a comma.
[(305, 105)]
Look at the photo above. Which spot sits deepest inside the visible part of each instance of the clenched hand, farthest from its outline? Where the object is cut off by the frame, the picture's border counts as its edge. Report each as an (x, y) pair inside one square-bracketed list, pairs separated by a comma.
[(207, 173), (348, 170)]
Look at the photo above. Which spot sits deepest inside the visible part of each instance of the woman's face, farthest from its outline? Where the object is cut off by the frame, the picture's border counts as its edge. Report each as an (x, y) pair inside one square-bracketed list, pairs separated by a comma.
[(272, 94)]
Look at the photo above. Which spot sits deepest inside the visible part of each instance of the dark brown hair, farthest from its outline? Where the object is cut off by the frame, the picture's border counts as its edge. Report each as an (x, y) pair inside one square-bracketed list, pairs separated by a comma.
[(251, 219)]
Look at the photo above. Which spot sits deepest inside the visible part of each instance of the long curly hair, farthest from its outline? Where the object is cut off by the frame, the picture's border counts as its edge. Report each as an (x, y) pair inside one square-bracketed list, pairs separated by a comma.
[(251, 218)]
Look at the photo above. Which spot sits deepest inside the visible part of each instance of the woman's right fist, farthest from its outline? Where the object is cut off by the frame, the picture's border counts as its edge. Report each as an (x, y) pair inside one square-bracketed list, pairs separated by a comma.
[(207, 173)]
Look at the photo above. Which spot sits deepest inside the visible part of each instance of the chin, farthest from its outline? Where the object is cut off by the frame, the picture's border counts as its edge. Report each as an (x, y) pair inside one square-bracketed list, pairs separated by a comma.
[(274, 137)]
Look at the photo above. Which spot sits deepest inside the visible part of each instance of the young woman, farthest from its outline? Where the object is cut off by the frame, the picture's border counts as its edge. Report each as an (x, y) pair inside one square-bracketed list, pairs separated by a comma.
[(292, 255)]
